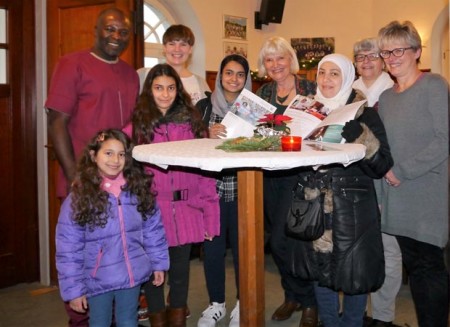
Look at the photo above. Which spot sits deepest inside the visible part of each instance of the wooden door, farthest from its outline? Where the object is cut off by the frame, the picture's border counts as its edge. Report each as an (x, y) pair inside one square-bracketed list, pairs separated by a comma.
[(19, 245), (70, 26)]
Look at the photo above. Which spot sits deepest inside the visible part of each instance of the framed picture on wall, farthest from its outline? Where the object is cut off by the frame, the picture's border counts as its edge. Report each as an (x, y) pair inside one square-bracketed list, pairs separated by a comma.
[(234, 27), (311, 50), (234, 48)]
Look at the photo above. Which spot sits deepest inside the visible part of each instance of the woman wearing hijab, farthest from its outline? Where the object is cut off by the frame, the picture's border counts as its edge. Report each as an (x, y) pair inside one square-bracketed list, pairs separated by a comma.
[(349, 255), (233, 76)]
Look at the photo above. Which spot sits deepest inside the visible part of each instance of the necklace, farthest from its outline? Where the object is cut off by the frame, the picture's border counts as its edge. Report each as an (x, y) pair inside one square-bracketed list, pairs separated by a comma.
[(281, 100)]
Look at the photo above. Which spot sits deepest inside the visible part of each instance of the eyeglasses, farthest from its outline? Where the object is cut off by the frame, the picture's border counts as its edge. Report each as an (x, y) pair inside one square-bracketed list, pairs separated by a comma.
[(396, 52), (370, 56)]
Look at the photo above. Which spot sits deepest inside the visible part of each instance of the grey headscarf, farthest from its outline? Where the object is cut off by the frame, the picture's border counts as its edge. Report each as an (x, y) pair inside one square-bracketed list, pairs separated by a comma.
[(218, 101)]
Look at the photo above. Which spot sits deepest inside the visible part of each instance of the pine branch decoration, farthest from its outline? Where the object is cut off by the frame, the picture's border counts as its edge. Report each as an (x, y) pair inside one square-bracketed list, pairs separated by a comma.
[(256, 143)]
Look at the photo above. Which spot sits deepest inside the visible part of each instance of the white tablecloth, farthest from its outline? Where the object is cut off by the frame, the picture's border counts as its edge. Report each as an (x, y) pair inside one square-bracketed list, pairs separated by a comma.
[(201, 153)]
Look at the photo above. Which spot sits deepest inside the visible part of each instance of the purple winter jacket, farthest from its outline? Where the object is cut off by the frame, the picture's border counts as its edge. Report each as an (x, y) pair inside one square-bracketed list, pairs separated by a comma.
[(187, 220), (121, 255)]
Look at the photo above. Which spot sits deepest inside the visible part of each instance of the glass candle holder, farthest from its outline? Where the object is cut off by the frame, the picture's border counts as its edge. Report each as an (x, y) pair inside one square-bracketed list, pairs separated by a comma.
[(291, 143)]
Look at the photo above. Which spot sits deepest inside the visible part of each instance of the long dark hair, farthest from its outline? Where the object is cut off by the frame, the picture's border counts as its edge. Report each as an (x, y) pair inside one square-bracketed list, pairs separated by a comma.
[(146, 115), (89, 202)]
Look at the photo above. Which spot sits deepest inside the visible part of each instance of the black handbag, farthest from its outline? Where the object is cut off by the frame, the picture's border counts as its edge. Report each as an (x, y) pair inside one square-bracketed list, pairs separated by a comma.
[(305, 220)]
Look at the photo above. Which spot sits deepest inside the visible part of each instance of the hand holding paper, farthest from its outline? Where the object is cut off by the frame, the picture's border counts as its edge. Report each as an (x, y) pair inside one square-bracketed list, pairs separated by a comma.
[(245, 112), (312, 120)]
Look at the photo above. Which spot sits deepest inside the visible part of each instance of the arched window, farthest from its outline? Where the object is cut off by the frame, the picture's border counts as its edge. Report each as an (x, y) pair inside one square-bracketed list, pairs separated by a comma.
[(156, 21)]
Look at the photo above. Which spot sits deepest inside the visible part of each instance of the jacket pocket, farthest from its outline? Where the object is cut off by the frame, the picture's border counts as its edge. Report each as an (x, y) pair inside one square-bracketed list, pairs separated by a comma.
[(352, 189), (97, 263)]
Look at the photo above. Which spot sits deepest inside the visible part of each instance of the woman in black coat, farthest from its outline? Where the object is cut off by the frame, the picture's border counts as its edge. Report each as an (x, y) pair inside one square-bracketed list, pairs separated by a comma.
[(349, 255)]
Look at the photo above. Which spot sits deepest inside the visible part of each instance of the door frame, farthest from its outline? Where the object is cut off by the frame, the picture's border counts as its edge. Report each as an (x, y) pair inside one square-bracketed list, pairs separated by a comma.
[(41, 138), (131, 55), (19, 245)]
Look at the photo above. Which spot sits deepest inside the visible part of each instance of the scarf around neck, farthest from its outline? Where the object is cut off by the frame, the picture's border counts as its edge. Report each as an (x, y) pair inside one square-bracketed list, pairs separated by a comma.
[(372, 93), (113, 185), (220, 105)]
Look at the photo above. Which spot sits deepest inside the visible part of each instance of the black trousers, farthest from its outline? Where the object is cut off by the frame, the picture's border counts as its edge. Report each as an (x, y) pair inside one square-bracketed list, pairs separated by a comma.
[(178, 276), (278, 186), (214, 262), (428, 278)]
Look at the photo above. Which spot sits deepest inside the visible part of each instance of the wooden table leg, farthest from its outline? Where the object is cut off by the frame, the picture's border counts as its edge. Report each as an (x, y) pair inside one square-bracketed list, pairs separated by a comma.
[(251, 248)]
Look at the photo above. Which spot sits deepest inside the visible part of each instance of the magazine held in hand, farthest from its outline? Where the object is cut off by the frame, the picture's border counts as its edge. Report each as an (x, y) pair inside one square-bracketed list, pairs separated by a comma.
[(245, 112), (313, 121), (310, 119)]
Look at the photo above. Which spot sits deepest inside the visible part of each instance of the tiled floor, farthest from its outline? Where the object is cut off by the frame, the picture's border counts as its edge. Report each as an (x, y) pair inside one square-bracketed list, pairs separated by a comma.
[(35, 305)]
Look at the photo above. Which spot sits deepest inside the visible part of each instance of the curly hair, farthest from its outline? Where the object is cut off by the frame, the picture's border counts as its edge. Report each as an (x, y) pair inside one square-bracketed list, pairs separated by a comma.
[(146, 116), (90, 205)]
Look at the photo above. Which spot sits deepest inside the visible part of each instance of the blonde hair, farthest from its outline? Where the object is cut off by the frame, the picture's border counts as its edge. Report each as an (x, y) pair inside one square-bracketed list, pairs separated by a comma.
[(276, 45), (396, 31)]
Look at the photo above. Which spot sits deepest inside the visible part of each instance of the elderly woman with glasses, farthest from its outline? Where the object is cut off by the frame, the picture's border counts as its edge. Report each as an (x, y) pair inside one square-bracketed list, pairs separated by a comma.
[(372, 81), (414, 196)]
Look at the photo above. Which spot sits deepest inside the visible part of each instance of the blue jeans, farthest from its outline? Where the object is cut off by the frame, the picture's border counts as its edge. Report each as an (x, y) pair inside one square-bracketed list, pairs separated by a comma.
[(214, 262), (329, 308), (125, 308)]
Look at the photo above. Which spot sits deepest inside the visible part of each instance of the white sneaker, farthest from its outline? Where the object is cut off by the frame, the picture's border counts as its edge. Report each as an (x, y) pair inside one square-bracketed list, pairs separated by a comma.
[(234, 321), (214, 313)]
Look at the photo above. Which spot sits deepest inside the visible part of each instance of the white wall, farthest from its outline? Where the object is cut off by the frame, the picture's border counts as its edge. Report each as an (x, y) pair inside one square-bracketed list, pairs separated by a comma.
[(345, 20)]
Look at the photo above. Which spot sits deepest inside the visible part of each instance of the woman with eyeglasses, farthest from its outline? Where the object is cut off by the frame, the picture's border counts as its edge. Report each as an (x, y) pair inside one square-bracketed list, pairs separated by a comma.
[(372, 81), (414, 195)]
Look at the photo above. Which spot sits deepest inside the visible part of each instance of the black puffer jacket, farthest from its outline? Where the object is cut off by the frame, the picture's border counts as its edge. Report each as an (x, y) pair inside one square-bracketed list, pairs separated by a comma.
[(356, 263)]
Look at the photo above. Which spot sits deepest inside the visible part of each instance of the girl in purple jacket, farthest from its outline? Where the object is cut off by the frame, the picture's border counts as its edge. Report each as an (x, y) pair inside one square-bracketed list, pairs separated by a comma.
[(109, 236), (188, 200)]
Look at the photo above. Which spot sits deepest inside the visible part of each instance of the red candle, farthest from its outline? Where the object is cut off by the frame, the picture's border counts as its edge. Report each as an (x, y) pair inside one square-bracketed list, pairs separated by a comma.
[(291, 143)]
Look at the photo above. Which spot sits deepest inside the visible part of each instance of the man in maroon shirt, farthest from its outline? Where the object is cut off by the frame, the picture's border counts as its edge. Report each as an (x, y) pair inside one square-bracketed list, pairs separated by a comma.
[(90, 90)]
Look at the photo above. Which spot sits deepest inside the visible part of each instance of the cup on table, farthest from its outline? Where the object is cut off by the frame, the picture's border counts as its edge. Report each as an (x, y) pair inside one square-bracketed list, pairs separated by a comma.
[(291, 143)]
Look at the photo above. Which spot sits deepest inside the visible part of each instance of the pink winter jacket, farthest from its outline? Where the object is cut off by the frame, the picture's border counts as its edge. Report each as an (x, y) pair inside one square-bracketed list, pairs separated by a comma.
[(196, 213)]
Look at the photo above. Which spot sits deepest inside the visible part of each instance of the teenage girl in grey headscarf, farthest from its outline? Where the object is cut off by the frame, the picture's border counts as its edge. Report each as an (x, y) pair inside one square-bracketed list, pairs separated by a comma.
[(232, 77)]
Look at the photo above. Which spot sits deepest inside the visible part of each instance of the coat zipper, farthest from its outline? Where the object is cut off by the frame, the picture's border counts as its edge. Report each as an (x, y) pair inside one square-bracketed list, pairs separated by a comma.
[(174, 219), (343, 190), (124, 242)]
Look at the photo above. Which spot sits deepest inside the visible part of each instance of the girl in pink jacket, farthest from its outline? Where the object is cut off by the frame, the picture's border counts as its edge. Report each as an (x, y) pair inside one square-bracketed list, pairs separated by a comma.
[(188, 200)]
